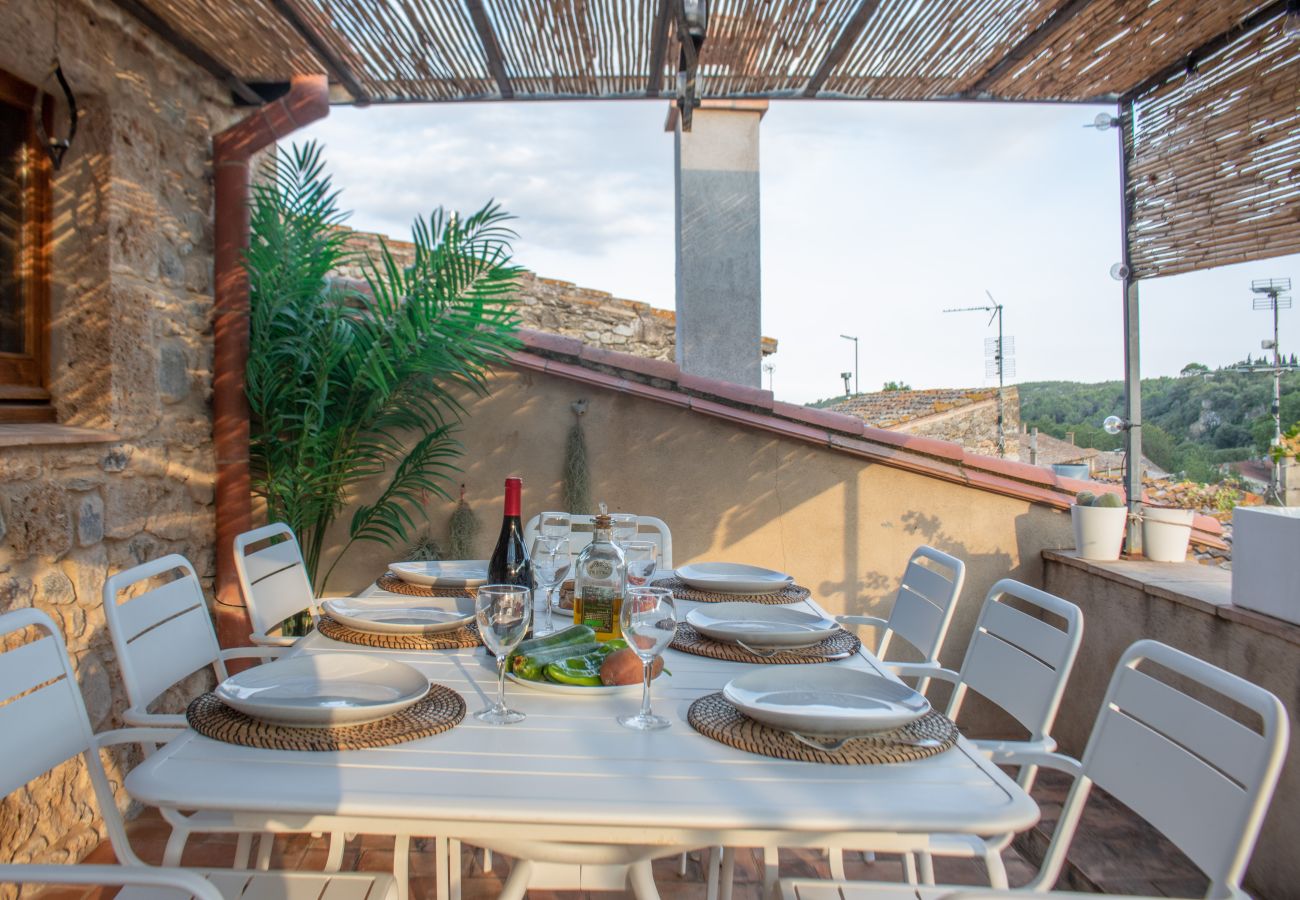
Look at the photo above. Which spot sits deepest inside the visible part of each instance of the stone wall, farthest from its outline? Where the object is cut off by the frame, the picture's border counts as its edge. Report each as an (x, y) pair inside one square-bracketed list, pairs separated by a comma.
[(975, 426), (131, 355), (561, 307)]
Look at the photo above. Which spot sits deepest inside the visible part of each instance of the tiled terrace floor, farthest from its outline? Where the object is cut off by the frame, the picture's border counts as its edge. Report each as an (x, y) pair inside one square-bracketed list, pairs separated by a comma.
[(149, 835)]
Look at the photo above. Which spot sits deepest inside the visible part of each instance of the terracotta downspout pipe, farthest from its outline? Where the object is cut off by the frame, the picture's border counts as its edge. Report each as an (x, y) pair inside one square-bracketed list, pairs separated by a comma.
[(232, 150)]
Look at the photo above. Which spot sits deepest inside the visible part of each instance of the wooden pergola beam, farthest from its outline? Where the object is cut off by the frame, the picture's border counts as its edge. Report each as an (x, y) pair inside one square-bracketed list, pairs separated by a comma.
[(1209, 48), (843, 44), (658, 48), (491, 48), (334, 64), (1049, 29), (190, 50)]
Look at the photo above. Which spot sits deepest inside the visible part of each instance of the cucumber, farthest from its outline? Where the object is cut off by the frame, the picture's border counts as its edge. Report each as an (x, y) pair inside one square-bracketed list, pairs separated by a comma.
[(574, 634), (538, 659)]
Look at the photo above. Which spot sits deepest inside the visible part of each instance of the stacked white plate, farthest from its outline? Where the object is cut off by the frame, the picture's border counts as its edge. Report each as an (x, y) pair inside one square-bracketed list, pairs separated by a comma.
[(444, 573), (825, 701), (401, 615), (324, 689), (761, 626), (733, 578)]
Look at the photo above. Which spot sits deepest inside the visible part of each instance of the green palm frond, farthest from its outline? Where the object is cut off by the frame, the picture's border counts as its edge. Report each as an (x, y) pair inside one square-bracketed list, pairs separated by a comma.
[(346, 386)]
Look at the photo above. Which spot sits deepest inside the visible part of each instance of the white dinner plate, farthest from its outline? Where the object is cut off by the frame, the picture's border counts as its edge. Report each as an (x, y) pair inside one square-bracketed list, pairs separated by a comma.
[(577, 690), (324, 689), (444, 573), (733, 578), (393, 615), (761, 626), (827, 701)]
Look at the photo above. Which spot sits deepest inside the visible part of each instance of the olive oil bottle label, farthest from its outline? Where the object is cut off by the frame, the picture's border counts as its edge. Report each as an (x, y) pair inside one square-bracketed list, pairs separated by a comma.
[(598, 609)]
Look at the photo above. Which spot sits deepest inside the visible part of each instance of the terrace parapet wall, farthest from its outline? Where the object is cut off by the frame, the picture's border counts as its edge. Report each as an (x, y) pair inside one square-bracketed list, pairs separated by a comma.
[(127, 473)]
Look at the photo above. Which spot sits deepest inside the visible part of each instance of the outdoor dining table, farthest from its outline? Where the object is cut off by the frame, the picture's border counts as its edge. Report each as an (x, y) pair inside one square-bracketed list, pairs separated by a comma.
[(569, 785)]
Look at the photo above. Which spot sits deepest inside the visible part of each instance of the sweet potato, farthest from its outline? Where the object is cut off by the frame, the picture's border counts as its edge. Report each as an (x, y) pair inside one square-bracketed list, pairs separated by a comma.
[(624, 667)]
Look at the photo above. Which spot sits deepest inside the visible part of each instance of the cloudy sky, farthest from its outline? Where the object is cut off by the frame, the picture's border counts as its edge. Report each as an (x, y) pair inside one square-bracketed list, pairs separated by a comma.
[(875, 218)]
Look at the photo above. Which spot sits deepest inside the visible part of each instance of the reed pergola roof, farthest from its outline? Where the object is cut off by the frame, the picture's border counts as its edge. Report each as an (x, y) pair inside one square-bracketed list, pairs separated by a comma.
[(1212, 175)]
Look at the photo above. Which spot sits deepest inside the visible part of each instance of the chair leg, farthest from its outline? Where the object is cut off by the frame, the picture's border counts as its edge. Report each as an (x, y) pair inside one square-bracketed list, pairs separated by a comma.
[(334, 859), (453, 867), (441, 869), (868, 856), (401, 864), (927, 867), (176, 846), (517, 883), (909, 868), (711, 859), (265, 843), (243, 847), (681, 866), (487, 860), (727, 875), (642, 879), (997, 870), (771, 870), (835, 856)]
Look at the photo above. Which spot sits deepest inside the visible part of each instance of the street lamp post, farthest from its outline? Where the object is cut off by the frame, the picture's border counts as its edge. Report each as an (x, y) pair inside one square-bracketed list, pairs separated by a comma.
[(856, 387)]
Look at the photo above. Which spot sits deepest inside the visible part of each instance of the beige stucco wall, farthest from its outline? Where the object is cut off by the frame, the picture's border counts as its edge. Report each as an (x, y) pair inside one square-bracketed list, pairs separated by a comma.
[(132, 352), (1117, 614), (841, 526)]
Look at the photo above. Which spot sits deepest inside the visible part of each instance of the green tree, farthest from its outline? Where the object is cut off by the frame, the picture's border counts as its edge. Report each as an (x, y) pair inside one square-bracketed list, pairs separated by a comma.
[(351, 387), (897, 386)]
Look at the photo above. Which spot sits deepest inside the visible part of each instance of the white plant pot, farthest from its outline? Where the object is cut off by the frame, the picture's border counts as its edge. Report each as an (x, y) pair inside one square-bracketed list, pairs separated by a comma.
[(1265, 561), (1098, 531), (1166, 533)]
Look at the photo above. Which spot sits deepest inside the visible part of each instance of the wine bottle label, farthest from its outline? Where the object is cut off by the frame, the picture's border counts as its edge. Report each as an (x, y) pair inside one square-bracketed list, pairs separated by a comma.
[(599, 609)]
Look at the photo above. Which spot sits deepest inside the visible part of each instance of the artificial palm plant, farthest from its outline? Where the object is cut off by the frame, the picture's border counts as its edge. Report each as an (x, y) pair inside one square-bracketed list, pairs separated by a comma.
[(346, 386)]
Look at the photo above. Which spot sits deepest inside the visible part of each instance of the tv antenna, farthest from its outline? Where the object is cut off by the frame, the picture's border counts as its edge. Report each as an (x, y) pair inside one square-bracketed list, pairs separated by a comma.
[(769, 368), (1270, 296), (999, 360)]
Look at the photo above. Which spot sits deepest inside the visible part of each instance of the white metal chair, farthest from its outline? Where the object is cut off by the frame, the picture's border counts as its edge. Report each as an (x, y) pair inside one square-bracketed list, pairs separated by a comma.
[(648, 529), (160, 636), (1018, 662), (923, 607), (43, 723), (273, 581), (1203, 778)]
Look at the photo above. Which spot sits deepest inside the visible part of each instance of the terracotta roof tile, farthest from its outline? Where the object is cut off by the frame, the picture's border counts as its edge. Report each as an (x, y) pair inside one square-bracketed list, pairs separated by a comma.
[(886, 409)]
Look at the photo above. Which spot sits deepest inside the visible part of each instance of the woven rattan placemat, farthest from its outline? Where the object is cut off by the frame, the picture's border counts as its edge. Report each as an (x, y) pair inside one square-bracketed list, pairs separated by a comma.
[(683, 591), (394, 585), (461, 638), (837, 646), (712, 716), (439, 711)]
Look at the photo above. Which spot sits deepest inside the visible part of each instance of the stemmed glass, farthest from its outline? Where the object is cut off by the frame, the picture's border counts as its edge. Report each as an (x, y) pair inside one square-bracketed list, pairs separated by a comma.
[(556, 524), (551, 564), (649, 621), (623, 528), (502, 612), (642, 558)]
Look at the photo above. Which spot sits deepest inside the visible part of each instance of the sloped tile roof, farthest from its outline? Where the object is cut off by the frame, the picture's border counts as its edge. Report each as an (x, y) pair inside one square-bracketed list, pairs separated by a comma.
[(887, 409)]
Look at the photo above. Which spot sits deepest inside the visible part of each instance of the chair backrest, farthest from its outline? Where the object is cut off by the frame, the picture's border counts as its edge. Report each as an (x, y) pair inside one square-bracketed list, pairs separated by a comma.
[(43, 719), (1201, 777), (163, 634), (648, 529), (926, 600), (273, 579), (1018, 661)]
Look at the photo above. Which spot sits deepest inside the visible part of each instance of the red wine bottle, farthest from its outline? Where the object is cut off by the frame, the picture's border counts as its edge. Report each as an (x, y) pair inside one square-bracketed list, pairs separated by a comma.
[(510, 563)]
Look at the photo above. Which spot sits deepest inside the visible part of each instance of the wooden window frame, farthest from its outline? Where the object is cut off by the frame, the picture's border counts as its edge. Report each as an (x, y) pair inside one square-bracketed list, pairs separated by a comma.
[(24, 396)]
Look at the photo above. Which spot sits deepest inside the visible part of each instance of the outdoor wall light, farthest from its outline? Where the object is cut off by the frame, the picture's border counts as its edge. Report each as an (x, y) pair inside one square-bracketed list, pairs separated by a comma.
[(1105, 121), (1114, 425)]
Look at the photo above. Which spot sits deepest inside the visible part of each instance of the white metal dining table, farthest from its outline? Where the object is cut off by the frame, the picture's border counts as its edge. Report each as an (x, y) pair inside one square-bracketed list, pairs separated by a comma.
[(570, 786)]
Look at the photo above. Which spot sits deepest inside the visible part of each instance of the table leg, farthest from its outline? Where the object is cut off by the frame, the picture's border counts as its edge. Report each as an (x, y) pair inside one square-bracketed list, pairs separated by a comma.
[(516, 885), (641, 875), (441, 871), (453, 867), (728, 873), (771, 870), (401, 864)]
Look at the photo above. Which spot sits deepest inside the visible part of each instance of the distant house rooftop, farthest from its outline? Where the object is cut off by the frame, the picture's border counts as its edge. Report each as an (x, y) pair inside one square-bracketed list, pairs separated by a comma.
[(889, 409)]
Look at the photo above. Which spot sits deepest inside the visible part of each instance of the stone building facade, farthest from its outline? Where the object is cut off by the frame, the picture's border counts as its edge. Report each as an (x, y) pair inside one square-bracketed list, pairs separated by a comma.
[(126, 474), (594, 317), (965, 416)]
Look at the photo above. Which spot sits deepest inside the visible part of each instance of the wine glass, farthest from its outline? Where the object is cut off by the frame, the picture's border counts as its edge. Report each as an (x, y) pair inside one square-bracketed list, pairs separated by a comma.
[(623, 528), (502, 612), (555, 524), (642, 558), (649, 621), (551, 564)]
